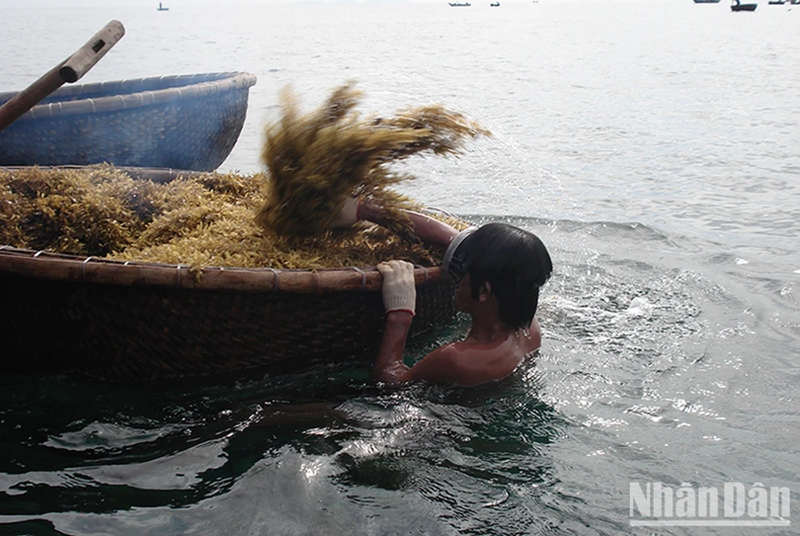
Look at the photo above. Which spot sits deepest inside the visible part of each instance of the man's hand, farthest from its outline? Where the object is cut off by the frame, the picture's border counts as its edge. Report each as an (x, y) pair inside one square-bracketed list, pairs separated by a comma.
[(348, 216), (399, 290)]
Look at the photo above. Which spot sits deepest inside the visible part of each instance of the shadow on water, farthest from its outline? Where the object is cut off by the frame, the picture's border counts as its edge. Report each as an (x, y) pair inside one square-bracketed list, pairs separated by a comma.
[(310, 451)]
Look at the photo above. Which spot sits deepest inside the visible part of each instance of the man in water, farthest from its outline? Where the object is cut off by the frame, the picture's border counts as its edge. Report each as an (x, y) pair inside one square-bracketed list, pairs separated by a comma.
[(499, 268)]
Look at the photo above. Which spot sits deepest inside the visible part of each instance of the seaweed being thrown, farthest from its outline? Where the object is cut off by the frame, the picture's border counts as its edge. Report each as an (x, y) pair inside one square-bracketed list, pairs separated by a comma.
[(276, 219), (316, 161)]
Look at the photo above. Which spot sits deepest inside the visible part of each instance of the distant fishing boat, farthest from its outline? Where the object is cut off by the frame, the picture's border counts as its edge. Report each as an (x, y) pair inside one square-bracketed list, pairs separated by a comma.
[(162, 8), (777, 2), (459, 4), (736, 5), (495, 4), (706, 1)]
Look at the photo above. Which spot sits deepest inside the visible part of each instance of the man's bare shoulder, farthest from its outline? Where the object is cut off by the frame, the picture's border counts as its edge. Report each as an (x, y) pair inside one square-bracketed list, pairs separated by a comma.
[(461, 363), (438, 366)]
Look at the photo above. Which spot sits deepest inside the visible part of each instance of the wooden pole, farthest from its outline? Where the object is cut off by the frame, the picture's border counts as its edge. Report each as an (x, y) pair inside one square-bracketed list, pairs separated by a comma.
[(70, 70)]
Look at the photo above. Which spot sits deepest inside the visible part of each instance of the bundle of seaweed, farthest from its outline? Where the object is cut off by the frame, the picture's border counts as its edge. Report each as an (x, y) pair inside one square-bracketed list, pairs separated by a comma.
[(199, 220), (317, 160)]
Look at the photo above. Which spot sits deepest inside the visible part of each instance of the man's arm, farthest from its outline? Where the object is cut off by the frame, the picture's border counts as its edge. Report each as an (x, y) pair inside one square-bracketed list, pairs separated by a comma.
[(389, 366), (399, 301), (427, 229)]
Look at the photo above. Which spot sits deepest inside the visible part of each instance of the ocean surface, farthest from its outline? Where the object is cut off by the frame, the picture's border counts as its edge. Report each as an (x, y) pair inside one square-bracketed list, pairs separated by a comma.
[(655, 148)]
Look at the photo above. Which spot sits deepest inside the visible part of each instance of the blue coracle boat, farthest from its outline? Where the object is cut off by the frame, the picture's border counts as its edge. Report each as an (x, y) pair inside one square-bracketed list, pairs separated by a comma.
[(186, 122)]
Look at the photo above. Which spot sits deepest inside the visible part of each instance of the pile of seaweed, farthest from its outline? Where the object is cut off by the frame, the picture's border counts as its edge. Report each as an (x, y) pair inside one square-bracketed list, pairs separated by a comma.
[(275, 219)]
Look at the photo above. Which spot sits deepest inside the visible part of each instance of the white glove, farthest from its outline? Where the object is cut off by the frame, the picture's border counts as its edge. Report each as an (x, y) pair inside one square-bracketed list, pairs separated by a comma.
[(399, 290), (348, 216)]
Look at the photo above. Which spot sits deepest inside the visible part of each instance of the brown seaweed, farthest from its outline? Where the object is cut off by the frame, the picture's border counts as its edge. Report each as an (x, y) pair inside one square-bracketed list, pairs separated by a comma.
[(317, 160), (200, 221)]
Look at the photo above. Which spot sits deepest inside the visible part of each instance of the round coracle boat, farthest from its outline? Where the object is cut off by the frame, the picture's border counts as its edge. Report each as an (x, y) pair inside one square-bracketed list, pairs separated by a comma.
[(120, 320), (131, 321), (186, 122)]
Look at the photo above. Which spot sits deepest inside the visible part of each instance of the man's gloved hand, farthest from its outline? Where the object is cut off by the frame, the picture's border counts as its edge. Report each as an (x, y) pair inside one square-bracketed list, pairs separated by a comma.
[(348, 216), (399, 290)]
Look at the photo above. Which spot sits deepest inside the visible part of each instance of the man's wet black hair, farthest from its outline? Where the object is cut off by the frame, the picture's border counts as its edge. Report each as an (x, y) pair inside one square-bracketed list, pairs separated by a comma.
[(516, 264)]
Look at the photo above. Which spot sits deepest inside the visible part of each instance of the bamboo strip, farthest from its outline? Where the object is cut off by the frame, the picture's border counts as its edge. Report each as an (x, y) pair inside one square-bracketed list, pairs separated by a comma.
[(55, 267)]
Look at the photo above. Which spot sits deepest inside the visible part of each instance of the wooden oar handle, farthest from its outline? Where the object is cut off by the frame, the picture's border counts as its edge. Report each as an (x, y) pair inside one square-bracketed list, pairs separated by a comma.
[(84, 59), (70, 70)]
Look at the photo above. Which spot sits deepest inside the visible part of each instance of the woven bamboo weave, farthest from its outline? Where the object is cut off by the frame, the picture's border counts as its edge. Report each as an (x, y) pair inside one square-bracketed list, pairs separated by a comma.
[(186, 122), (127, 321)]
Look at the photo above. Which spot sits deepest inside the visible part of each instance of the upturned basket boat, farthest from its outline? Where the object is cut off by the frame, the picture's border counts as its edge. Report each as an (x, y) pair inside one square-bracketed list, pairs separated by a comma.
[(186, 122), (134, 321)]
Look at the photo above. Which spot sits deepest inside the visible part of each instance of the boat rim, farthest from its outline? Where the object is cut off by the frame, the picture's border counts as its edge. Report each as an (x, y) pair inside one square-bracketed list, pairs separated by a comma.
[(209, 84)]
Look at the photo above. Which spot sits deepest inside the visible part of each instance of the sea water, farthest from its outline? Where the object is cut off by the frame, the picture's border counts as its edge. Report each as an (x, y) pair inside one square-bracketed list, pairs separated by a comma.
[(655, 148)]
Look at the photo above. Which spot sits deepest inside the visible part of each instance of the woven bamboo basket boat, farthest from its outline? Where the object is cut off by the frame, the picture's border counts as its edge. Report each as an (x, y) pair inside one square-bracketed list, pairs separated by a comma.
[(186, 122), (134, 321)]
